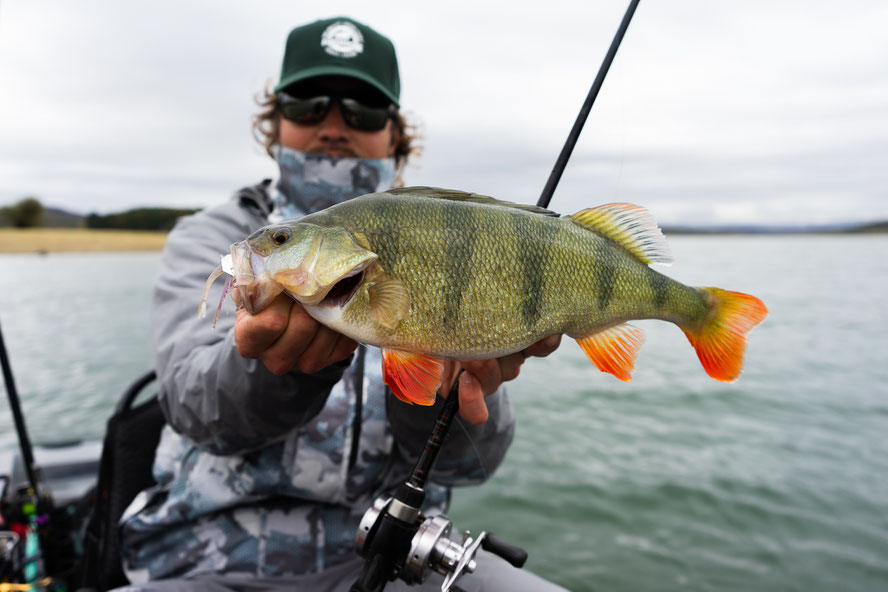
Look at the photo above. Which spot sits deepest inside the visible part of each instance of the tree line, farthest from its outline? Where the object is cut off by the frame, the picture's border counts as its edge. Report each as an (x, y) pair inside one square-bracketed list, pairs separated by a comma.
[(27, 213), (30, 213)]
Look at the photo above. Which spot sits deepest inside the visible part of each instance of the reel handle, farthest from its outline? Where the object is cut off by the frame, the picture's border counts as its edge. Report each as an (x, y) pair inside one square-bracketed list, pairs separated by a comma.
[(516, 556)]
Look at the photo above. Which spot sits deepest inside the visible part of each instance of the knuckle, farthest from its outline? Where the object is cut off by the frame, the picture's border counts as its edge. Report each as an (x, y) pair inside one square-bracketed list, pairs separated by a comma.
[(246, 352), (309, 365), (340, 354), (243, 346), (298, 314), (277, 367), (476, 416), (275, 323)]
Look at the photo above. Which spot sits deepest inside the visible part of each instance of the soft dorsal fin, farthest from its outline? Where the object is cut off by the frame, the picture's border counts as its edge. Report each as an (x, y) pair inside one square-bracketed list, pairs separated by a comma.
[(454, 195), (631, 226)]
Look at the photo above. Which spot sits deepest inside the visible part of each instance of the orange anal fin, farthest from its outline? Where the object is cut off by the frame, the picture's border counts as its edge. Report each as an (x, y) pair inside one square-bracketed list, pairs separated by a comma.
[(613, 350), (413, 378), (721, 342)]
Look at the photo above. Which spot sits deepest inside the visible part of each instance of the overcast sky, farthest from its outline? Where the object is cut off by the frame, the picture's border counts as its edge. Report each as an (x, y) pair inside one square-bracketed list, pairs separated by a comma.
[(713, 112)]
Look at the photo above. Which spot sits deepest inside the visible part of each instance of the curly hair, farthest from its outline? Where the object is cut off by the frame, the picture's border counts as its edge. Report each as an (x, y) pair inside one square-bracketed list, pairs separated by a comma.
[(267, 127)]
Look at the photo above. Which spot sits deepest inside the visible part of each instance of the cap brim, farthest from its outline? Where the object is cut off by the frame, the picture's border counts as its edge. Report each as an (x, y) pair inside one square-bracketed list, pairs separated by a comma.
[(332, 70)]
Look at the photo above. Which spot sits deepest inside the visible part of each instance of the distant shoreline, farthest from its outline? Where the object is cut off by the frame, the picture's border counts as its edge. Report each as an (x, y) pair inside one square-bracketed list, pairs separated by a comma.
[(732, 232), (89, 240), (834, 229), (77, 240)]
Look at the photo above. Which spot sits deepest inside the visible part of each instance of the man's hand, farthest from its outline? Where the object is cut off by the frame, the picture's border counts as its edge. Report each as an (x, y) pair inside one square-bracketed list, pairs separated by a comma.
[(484, 377), (285, 337)]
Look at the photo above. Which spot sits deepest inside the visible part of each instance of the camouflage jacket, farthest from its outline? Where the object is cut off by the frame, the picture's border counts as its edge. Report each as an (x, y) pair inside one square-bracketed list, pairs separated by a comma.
[(269, 475)]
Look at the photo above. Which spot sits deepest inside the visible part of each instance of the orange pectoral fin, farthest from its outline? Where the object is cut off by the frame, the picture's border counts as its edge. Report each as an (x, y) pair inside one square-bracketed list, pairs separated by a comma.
[(413, 378), (613, 350)]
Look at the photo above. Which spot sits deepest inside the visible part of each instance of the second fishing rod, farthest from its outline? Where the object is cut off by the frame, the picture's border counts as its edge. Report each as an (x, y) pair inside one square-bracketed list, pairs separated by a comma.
[(394, 530)]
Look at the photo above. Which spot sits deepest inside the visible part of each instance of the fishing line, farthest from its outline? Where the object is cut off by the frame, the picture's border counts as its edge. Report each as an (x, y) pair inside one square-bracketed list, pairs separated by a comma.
[(460, 422)]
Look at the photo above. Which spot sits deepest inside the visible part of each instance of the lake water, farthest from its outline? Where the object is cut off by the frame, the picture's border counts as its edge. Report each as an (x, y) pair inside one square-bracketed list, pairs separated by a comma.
[(672, 482)]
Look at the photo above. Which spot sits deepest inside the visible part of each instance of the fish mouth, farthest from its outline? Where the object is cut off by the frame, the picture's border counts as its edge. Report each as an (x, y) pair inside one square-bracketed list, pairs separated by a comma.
[(256, 290), (343, 291)]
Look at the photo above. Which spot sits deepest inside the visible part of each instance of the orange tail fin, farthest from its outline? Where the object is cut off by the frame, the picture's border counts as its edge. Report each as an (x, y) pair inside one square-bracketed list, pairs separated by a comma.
[(721, 342)]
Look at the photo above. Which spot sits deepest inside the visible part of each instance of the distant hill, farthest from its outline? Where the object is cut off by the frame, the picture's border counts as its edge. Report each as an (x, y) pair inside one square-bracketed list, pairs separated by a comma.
[(139, 219), (135, 219), (58, 218), (875, 227)]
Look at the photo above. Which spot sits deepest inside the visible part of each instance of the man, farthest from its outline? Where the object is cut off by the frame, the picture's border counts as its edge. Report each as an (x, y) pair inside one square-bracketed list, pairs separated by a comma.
[(281, 432)]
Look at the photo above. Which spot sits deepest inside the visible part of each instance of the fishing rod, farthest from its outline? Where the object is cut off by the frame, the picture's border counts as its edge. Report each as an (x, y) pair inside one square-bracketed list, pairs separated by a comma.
[(48, 540), (32, 500), (395, 539), (21, 429), (574, 135)]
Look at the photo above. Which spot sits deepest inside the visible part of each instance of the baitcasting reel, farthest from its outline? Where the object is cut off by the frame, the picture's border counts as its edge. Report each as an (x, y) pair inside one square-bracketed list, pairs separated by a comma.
[(431, 548), (397, 541)]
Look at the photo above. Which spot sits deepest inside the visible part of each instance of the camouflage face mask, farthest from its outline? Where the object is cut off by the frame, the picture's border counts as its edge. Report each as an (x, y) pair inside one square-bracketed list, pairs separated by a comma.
[(312, 182)]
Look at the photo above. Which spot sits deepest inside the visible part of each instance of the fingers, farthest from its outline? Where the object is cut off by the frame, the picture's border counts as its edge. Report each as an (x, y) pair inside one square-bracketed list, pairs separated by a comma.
[(451, 367), (253, 334), (490, 374), (484, 377), (306, 346), (543, 347), (472, 407), (285, 338)]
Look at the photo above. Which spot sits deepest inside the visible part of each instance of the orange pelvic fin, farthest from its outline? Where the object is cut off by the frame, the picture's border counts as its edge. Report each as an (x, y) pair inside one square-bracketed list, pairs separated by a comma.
[(413, 378), (721, 341), (613, 350)]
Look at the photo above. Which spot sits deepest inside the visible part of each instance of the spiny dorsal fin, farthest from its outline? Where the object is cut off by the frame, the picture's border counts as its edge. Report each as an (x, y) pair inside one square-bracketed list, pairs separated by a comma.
[(454, 195), (630, 226)]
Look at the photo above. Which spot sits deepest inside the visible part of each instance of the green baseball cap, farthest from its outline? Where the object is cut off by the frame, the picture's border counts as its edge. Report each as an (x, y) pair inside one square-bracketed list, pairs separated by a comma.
[(341, 47)]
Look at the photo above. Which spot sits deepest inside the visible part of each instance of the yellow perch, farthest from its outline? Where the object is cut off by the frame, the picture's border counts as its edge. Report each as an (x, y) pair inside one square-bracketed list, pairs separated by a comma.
[(429, 274)]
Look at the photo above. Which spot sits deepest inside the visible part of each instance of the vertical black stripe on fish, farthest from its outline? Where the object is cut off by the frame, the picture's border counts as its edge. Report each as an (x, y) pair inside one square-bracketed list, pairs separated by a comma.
[(458, 255), (391, 233), (534, 249), (604, 271), (659, 284)]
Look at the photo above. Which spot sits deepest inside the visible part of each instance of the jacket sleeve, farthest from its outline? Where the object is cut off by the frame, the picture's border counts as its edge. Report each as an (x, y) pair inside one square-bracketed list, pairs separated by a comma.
[(226, 404), (470, 454)]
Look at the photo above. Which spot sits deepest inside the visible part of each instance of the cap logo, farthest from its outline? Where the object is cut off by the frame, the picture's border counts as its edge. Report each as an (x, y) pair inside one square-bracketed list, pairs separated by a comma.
[(343, 40)]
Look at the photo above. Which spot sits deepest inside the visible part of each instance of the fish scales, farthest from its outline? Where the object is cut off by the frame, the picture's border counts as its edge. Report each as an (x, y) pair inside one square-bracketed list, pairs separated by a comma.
[(430, 274), (522, 276)]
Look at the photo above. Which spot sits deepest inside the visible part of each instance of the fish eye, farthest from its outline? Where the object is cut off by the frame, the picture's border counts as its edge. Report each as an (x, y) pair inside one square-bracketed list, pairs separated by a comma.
[(280, 236)]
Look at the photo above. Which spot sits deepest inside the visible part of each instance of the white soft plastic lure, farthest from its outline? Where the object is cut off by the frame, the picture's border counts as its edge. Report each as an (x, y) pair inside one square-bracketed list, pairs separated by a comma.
[(225, 267)]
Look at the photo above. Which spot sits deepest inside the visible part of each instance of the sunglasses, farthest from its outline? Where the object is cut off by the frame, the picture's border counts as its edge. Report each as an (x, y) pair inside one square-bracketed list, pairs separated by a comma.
[(313, 110)]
